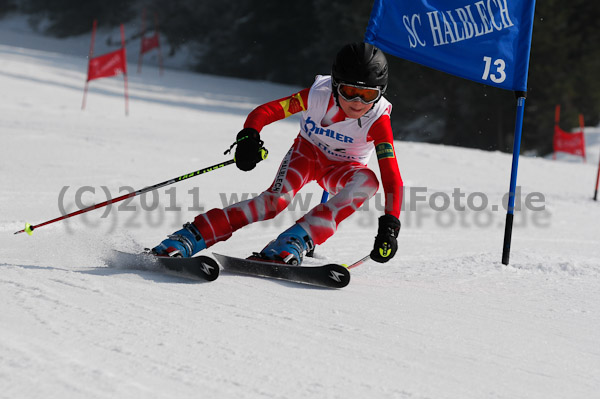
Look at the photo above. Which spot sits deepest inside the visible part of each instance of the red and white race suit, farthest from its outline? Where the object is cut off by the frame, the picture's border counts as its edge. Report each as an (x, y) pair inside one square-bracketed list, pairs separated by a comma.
[(332, 150)]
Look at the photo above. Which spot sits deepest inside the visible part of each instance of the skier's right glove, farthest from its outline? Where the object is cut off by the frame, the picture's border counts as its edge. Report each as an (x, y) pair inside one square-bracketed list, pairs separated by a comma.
[(385, 242), (249, 150)]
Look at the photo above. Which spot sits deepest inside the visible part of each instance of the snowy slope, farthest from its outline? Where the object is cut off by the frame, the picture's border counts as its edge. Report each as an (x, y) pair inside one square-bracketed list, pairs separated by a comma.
[(444, 319)]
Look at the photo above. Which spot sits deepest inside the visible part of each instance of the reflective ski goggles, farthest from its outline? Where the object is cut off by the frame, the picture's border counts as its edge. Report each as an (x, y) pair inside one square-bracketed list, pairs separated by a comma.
[(366, 95)]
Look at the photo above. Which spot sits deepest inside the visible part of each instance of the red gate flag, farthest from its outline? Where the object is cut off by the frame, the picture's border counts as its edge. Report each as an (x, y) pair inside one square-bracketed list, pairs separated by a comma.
[(149, 43), (571, 143), (107, 65)]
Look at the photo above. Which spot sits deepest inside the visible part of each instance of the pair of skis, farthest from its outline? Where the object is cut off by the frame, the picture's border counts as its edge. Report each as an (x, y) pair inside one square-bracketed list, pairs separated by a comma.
[(330, 275)]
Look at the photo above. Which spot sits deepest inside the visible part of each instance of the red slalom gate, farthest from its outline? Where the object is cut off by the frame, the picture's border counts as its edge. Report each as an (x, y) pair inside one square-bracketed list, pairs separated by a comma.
[(571, 143), (150, 43), (107, 65)]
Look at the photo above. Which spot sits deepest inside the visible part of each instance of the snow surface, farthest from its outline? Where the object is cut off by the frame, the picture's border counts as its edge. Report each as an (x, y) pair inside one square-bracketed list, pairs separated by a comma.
[(443, 319)]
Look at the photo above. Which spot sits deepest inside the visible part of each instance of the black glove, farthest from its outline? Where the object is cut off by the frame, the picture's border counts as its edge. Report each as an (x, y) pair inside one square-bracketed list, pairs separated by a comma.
[(385, 242), (249, 150)]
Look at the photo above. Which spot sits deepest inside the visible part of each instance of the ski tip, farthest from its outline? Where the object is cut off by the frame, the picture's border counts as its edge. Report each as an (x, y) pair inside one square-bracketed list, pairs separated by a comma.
[(339, 274), (210, 268)]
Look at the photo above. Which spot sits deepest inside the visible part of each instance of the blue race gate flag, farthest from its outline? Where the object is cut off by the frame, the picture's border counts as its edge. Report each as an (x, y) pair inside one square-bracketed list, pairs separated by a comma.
[(487, 41)]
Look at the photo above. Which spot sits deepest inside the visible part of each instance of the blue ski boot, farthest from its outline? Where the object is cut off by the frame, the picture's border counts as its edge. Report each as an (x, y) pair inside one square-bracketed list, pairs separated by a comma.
[(289, 247), (183, 243)]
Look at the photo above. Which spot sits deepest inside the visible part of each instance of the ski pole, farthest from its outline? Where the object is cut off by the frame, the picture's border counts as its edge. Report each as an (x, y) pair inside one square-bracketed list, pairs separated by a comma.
[(358, 262), (29, 228)]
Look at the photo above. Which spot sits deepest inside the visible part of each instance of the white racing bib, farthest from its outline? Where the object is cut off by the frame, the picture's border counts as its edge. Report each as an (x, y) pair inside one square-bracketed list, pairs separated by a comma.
[(341, 141)]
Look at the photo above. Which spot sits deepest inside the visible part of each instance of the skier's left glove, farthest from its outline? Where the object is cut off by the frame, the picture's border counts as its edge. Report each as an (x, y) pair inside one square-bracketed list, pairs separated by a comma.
[(385, 242), (249, 150)]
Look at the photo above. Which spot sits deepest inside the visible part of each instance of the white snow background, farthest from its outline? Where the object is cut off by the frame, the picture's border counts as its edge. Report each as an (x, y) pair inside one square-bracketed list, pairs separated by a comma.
[(443, 319)]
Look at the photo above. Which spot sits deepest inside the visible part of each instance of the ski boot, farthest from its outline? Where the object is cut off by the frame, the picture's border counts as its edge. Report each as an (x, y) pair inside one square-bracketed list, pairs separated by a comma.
[(183, 243), (289, 247)]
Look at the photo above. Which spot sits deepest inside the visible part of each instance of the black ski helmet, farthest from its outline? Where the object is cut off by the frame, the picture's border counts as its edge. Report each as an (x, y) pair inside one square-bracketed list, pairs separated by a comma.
[(360, 64)]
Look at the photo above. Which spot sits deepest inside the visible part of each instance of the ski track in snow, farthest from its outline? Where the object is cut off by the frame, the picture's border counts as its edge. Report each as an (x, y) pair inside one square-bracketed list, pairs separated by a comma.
[(443, 319)]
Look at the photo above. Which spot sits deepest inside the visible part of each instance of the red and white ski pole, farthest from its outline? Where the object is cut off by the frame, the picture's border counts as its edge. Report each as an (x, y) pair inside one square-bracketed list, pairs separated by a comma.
[(29, 228), (359, 262)]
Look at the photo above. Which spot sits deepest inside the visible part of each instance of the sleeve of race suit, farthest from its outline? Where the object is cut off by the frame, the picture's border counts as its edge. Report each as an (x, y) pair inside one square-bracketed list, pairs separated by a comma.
[(383, 137), (277, 110)]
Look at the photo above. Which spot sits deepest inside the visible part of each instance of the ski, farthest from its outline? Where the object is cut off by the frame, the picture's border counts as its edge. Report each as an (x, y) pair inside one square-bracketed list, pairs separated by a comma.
[(331, 275), (200, 266)]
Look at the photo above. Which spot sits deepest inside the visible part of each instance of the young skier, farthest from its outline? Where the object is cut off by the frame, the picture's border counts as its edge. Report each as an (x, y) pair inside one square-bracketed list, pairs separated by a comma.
[(344, 117)]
